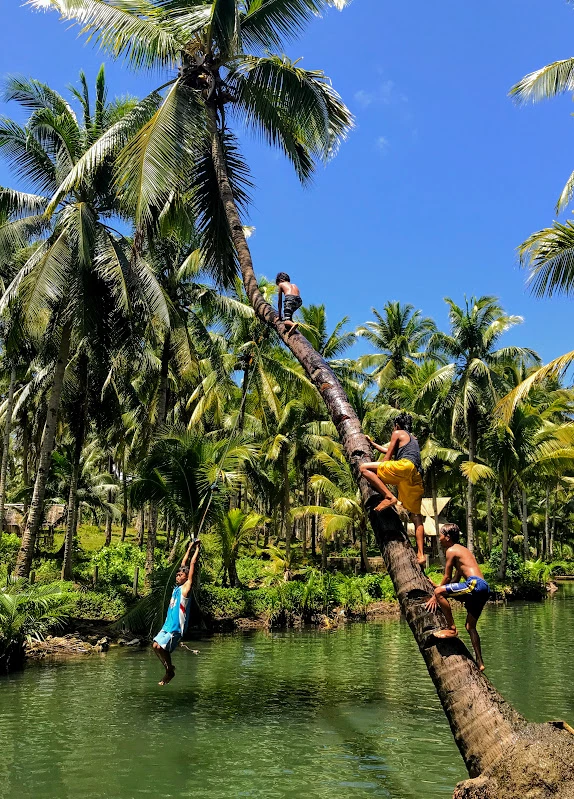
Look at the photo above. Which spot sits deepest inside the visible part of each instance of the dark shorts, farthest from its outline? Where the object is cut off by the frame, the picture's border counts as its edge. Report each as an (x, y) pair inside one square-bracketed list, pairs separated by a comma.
[(290, 304), (474, 592)]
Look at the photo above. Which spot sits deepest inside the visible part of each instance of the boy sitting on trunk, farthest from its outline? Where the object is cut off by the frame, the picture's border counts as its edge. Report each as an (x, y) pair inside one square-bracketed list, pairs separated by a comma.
[(473, 590)]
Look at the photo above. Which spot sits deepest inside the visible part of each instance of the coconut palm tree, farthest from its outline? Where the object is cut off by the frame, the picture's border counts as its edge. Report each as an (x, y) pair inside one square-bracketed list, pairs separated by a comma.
[(189, 475), (81, 265), (474, 374), (400, 336), (233, 530)]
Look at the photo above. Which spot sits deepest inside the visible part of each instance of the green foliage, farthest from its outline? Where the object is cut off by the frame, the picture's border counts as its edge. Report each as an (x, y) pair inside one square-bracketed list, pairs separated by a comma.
[(282, 601), (513, 564), (28, 612), (105, 603), (117, 562), (9, 546), (250, 570)]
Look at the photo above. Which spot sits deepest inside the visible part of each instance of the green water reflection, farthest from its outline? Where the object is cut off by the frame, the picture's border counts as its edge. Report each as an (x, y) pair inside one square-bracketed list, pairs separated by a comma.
[(345, 714)]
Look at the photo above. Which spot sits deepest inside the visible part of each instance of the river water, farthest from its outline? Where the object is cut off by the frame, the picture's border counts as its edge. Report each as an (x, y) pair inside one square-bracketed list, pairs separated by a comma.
[(348, 714)]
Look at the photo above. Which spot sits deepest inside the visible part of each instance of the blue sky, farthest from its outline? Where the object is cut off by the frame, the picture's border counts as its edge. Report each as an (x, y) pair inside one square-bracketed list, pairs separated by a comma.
[(439, 182)]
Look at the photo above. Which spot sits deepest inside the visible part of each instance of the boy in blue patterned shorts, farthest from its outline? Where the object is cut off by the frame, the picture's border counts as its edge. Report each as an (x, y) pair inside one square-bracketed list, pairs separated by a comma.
[(473, 590), (177, 618)]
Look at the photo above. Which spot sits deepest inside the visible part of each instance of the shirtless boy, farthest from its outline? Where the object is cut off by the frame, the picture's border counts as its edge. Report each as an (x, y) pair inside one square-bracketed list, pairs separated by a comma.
[(401, 467), (177, 617), (291, 302), (473, 590)]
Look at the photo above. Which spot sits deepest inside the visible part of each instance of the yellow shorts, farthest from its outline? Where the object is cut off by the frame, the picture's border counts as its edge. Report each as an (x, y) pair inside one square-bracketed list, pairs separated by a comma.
[(405, 475)]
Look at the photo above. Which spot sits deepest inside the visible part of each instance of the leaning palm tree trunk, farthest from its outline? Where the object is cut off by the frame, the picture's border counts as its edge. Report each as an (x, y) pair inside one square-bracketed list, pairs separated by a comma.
[(26, 552), (494, 740), (6, 445)]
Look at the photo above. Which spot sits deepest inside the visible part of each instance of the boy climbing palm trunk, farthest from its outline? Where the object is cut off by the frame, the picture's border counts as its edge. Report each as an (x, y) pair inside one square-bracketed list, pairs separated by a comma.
[(473, 590), (401, 467)]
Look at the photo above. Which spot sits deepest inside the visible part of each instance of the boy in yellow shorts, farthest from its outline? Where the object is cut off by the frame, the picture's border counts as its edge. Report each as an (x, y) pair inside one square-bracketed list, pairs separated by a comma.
[(400, 467)]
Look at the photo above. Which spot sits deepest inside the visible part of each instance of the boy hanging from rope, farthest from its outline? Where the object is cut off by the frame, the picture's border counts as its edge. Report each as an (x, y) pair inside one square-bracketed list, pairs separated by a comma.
[(177, 617), (291, 302), (401, 467)]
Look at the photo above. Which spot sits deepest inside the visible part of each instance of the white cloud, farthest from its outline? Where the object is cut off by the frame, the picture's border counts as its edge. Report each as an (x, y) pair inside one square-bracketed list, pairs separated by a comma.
[(363, 98), (386, 93), (383, 144)]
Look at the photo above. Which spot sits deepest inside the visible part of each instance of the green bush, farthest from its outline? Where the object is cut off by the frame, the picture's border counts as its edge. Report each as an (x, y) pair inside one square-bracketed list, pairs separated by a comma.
[(9, 546), (107, 604), (379, 586), (514, 571), (117, 562), (28, 612), (250, 570), (223, 603)]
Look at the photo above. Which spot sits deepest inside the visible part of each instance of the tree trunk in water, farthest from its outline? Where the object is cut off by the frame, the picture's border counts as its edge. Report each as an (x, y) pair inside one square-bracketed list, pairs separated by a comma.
[(524, 507), (494, 740), (6, 446), (470, 488), (505, 499), (489, 516), (36, 514)]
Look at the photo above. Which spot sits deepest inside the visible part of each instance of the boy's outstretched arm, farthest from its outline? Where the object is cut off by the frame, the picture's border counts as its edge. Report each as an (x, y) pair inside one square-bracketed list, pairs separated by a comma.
[(379, 447), (186, 587), (441, 587)]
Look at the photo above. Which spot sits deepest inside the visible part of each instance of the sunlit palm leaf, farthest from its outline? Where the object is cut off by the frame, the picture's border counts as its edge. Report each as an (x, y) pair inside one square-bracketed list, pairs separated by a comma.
[(267, 24), (106, 147), (549, 81), (549, 257), (158, 159), (123, 28)]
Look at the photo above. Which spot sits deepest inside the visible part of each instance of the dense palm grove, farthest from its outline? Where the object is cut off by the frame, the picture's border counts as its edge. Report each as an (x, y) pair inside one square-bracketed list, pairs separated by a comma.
[(144, 394)]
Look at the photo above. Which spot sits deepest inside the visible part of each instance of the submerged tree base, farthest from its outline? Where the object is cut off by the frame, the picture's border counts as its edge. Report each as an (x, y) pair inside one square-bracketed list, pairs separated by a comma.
[(538, 765)]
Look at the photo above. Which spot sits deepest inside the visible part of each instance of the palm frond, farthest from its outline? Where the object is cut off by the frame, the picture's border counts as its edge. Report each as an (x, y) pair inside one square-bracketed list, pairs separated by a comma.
[(122, 28), (549, 81), (549, 257), (159, 157)]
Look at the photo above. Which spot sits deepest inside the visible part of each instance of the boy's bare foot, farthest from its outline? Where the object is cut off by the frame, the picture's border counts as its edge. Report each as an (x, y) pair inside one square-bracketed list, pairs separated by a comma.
[(386, 503), (450, 632), (422, 560), (294, 326), (168, 676)]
